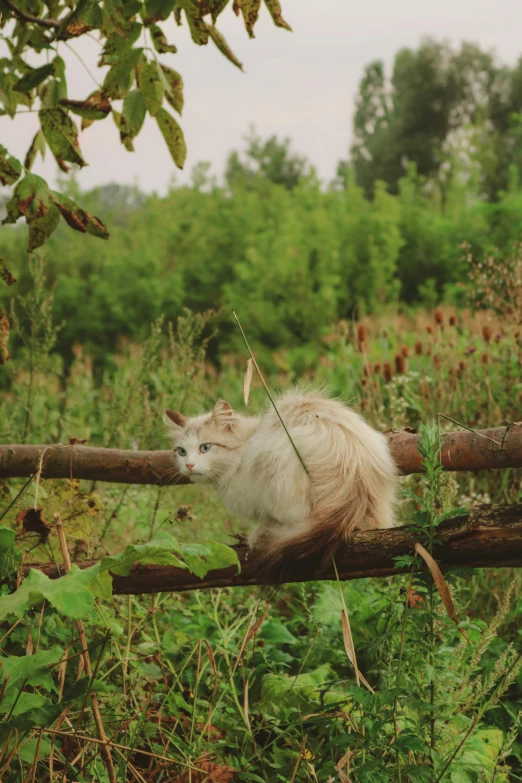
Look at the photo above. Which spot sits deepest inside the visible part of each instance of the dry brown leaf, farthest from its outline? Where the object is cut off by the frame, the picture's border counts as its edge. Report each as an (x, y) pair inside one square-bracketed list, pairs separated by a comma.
[(350, 650), (32, 522), (248, 380), (440, 584)]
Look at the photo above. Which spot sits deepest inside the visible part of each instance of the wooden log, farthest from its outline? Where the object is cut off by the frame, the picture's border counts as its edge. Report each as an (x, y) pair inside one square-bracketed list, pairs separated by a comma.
[(500, 447), (489, 536)]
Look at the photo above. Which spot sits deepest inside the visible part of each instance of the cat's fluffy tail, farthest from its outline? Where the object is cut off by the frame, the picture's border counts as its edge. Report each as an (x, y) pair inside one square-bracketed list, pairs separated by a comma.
[(352, 482)]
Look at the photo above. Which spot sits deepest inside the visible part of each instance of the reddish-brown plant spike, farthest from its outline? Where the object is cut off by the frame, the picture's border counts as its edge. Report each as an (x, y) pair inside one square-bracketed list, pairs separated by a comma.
[(429, 350), (487, 333), (484, 358), (364, 381), (439, 316), (429, 329), (377, 367), (405, 351), (361, 333), (366, 371), (436, 361), (400, 364), (462, 365), (387, 372), (453, 320), (418, 348)]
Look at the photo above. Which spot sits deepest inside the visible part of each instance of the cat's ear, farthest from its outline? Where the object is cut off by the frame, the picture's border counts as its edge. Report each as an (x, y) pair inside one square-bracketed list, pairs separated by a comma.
[(175, 421), (223, 415)]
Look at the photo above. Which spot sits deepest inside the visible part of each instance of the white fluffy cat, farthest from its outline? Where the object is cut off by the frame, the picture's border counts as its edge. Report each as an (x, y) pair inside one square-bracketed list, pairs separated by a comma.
[(351, 480)]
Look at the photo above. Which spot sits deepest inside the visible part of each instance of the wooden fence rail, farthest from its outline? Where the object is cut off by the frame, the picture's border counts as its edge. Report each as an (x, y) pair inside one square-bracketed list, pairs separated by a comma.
[(500, 447), (488, 536)]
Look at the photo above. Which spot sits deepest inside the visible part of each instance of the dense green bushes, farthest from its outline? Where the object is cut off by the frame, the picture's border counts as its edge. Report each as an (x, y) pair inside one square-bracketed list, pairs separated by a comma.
[(291, 260)]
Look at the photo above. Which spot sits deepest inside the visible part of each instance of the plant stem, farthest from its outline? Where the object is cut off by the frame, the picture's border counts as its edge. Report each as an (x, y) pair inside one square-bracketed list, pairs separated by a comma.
[(268, 392)]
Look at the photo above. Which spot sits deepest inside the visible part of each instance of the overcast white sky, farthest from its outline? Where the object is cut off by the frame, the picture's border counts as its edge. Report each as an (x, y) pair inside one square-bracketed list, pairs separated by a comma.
[(301, 84)]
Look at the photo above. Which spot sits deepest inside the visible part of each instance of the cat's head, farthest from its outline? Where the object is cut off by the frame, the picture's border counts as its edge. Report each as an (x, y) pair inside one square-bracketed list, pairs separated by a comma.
[(206, 447)]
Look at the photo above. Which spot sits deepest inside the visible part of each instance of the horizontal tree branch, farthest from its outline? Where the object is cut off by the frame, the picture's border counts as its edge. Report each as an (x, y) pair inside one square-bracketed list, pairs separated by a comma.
[(500, 447), (487, 536)]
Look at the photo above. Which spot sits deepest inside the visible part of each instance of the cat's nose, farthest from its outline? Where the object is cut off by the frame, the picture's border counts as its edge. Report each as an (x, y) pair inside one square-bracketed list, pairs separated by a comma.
[(190, 465)]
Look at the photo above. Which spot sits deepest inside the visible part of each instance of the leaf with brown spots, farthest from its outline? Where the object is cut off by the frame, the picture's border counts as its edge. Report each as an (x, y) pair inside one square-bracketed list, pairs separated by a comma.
[(10, 168), (5, 274), (250, 11), (32, 522), (274, 9), (61, 134), (159, 40), (222, 45), (95, 107), (79, 218)]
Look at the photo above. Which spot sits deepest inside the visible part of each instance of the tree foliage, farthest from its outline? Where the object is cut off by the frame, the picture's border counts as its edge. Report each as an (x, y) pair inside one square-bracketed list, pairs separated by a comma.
[(438, 105), (132, 42)]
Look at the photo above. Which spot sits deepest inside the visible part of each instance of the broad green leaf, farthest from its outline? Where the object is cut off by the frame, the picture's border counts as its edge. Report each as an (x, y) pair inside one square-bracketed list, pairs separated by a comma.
[(159, 551), (173, 136), (28, 668), (208, 556), (61, 134), (37, 146), (10, 167), (28, 750), (78, 218), (131, 120), (34, 77), (151, 88), (25, 702), (223, 47), (173, 84), (281, 694), (250, 11), (274, 8), (120, 77), (67, 595), (95, 107), (159, 40)]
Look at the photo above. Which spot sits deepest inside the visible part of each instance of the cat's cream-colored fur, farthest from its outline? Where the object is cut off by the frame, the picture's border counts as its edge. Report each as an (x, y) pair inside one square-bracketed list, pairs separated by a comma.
[(351, 481)]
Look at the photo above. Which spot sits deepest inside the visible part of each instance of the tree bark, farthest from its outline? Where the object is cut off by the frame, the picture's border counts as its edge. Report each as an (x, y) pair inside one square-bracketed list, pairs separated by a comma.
[(489, 536), (460, 451)]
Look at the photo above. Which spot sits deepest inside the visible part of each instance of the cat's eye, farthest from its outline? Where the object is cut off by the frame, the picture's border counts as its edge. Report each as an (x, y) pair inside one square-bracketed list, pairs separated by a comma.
[(205, 447), (181, 451)]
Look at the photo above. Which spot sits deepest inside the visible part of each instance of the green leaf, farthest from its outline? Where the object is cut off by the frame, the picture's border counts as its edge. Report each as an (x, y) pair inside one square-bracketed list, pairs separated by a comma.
[(223, 47), (157, 11), (274, 9), (52, 93), (37, 145), (159, 40), (78, 218), (95, 107), (85, 16), (67, 595), (10, 554), (61, 134), (10, 167), (27, 668), (152, 88), (216, 7), (209, 556), (173, 136), (28, 750), (199, 30), (173, 84), (250, 11), (159, 551), (113, 17), (130, 121), (32, 199), (34, 77), (120, 77)]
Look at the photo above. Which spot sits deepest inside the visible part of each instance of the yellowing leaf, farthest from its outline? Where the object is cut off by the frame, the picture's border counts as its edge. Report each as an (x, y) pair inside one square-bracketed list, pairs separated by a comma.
[(223, 47), (173, 136), (248, 380), (274, 8)]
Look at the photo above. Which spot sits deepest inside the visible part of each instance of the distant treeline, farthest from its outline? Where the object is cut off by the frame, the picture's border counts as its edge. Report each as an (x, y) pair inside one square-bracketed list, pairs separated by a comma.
[(435, 165)]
